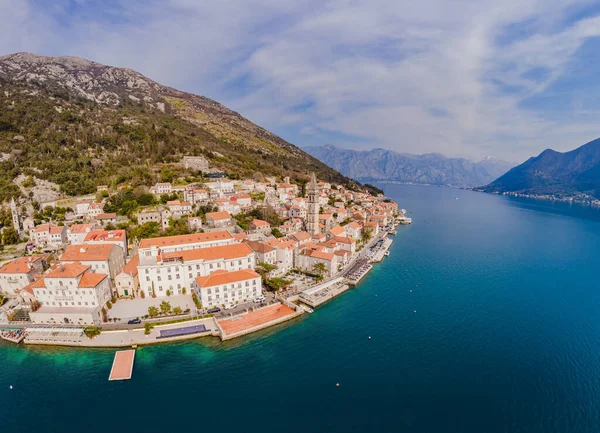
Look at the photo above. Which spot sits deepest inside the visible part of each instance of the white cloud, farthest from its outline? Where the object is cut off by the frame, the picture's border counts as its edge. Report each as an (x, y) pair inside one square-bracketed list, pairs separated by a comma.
[(410, 76)]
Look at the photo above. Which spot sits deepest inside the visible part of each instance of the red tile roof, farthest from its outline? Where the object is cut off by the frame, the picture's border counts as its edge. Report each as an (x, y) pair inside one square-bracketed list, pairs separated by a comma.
[(20, 266), (91, 280), (226, 252), (70, 270), (185, 239), (259, 223), (80, 228), (217, 216), (221, 277), (89, 252), (131, 267), (105, 235), (106, 216), (259, 247)]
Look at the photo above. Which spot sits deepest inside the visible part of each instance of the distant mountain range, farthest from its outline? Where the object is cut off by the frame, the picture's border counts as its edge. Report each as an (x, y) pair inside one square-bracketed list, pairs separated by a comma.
[(431, 168), (573, 174)]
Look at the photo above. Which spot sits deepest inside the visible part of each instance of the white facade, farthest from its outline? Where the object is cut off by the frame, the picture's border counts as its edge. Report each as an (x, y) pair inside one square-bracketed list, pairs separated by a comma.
[(71, 294), (155, 246), (17, 274), (228, 288), (77, 232), (102, 258), (174, 271), (221, 187)]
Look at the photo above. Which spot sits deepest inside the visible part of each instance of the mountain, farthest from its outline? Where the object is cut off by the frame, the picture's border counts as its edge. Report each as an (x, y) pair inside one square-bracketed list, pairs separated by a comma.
[(78, 123), (569, 174), (431, 168)]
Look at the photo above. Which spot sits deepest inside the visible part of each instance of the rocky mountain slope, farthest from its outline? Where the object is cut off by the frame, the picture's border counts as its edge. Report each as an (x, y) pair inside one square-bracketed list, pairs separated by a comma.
[(79, 123), (432, 168), (570, 174)]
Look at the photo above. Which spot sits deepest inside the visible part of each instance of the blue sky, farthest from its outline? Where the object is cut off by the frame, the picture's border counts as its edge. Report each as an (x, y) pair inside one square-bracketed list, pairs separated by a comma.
[(463, 78)]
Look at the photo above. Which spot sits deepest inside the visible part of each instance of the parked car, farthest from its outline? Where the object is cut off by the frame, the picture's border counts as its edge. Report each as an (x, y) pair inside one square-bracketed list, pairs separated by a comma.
[(134, 322), (214, 310), (228, 307)]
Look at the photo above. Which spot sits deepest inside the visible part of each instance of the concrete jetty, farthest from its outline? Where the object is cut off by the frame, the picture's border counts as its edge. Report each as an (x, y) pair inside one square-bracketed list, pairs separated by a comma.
[(122, 367), (324, 292)]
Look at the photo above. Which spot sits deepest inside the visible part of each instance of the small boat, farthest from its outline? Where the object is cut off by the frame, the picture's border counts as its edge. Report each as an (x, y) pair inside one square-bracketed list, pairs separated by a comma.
[(387, 253), (308, 309)]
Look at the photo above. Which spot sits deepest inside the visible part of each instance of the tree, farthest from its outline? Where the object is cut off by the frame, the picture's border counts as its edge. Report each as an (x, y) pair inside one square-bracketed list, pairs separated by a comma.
[(275, 284), (148, 328), (196, 301), (319, 269), (177, 310), (277, 233), (10, 236), (165, 306), (366, 235), (152, 311), (92, 331), (265, 269)]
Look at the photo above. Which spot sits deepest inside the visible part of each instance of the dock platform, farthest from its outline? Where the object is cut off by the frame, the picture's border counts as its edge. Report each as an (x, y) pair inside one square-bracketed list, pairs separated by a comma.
[(122, 367)]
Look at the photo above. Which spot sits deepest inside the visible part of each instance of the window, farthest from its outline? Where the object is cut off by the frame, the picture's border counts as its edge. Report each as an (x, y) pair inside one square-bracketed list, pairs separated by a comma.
[(190, 276)]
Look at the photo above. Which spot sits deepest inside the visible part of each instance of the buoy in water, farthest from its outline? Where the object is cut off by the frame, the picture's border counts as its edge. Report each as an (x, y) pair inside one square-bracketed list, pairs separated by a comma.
[(415, 311), (411, 291), (11, 387), (337, 384), (369, 337)]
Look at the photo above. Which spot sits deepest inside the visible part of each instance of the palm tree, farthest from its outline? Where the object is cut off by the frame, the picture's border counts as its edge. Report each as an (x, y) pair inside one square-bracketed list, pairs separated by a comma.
[(366, 235)]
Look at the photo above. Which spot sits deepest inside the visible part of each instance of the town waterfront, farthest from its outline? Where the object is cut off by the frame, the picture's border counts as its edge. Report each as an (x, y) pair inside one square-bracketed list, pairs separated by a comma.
[(484, 318)]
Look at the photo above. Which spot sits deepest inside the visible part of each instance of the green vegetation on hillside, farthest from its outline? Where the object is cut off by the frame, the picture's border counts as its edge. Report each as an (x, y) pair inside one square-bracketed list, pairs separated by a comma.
[(79, 144)]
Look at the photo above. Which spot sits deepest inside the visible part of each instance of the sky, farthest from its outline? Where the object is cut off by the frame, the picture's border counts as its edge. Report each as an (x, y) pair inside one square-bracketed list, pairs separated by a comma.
[(506, 78)]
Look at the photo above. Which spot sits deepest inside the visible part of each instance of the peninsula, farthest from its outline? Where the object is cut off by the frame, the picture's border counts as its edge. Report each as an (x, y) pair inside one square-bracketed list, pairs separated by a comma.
[(212, 256)]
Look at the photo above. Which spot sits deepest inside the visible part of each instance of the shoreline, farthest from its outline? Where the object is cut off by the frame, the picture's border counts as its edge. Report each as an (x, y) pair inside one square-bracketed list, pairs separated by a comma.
[(115, 339)]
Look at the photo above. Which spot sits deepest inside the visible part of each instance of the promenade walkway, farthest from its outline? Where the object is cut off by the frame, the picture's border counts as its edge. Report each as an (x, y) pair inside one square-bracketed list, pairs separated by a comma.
[(120, 338)]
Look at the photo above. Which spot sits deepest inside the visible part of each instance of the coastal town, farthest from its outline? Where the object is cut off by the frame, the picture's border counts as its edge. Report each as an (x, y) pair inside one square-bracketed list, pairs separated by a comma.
[(194, 256)]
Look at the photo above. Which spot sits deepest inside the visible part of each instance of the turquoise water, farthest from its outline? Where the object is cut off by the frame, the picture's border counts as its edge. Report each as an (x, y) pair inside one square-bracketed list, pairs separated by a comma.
[(505, 338)]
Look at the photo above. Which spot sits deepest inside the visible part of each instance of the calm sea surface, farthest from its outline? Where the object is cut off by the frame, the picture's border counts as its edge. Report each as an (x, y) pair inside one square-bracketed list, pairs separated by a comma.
[(485, 318)]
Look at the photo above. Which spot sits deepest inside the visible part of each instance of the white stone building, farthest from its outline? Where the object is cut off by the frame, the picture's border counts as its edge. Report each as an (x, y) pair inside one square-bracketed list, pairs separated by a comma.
[(19, 273), (115, 237), (71, 294), (76, 233), (127, 281), (49, 235), (173, 271), (228, 287), (102, 258)]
